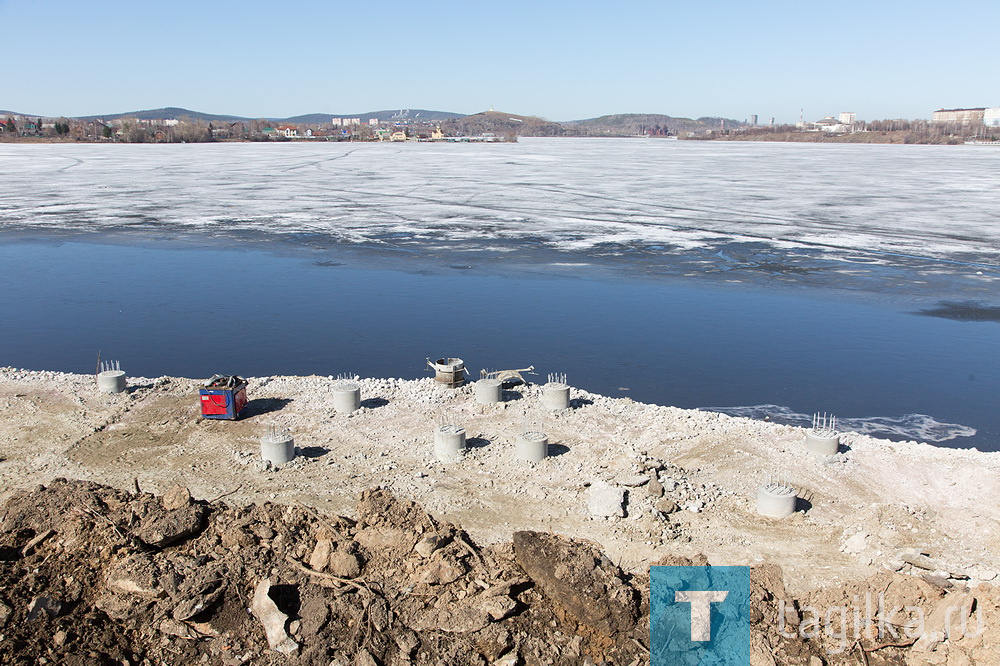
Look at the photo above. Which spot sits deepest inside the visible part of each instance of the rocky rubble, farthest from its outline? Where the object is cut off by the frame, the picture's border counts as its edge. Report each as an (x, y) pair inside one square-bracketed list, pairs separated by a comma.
[(130, 578), (94, 575)]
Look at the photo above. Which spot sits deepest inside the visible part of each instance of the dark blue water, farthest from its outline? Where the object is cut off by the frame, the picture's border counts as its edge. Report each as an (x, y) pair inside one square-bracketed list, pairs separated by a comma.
[(196, 312)]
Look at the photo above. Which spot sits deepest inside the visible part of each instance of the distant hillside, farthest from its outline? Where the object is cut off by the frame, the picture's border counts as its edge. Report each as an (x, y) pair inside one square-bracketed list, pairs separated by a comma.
[(311, 119), (500, 123), (495, 122), (390, 115), (411, 114), (628, 124), (307, 119), (165, 114)]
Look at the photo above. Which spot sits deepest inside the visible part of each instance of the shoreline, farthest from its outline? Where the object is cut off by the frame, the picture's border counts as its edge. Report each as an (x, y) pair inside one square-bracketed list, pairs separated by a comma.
[(871, 138), (867, 509)]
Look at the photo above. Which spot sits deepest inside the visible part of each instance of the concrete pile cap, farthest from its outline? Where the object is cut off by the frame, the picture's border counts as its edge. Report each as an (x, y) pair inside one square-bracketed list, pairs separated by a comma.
[(111, 377), (346, 385), (776, 500)]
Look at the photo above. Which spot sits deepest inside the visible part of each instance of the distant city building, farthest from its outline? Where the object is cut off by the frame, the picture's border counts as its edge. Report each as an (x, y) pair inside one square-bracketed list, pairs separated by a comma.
[(848, 118), (373, 122), (289, 131), (831, 125), (965, 116), (753, 119), (991, 117)]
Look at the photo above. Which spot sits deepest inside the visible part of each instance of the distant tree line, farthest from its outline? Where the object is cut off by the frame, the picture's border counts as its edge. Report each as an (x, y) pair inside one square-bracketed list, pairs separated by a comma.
[(875, 131)]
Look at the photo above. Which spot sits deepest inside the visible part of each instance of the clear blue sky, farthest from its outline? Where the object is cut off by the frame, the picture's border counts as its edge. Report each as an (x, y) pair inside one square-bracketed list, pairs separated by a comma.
[(560, 60)]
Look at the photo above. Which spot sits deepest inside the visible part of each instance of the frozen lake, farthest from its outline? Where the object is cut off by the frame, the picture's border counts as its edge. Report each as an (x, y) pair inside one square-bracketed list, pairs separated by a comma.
[(770, 279), (650, 205)]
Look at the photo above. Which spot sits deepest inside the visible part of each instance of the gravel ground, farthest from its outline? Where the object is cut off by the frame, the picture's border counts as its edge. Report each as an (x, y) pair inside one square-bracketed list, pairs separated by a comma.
[(876, 504)]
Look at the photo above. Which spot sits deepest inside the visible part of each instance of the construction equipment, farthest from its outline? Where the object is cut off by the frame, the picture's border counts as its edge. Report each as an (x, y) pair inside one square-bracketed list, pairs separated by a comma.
[(510, 377)]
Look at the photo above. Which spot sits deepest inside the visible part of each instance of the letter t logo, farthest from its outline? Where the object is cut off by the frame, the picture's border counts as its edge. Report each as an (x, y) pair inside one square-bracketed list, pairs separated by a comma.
[(701, 611)]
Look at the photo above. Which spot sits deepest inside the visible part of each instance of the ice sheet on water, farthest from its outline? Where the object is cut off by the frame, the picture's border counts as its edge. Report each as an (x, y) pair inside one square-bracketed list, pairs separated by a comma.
[(577, 196), (919, 427)]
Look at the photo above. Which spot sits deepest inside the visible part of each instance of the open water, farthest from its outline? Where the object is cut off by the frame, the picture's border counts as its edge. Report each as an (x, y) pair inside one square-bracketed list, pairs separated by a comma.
[(758, 279)]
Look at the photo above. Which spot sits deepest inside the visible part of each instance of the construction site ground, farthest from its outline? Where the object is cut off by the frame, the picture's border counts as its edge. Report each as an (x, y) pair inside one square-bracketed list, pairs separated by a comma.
[(687, 479)]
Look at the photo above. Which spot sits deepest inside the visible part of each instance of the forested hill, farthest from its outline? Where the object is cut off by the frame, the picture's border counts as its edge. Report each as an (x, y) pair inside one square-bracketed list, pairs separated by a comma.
[(629, 124)]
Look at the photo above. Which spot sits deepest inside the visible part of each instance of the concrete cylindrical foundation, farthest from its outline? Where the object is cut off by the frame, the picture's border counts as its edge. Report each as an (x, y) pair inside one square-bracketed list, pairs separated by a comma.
[(449, 443), (111, 381), (277, 448), (555, 396), (822, 443), (489, 391), (532, 446), (346, 397), (775, 500)]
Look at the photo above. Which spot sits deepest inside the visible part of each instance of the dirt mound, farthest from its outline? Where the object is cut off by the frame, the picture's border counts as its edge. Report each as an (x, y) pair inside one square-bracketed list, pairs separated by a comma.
[(904, 619), (94, 575), (90, 574)]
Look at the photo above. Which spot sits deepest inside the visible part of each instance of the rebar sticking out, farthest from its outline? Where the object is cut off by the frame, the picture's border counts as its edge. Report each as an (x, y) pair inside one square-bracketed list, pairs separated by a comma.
[(823, 439), (449, 442), (532, 446), (532, 443), (489, 389), (513, 376), (277, 446), (824, 424), (776, 497), (555, 394), (346, 393), (111, 377)]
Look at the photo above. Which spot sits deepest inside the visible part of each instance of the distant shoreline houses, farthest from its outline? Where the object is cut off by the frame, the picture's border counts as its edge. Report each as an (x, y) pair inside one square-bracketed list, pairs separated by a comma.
[(846, 122), (980, 115), (188, 130), (977, 124)]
